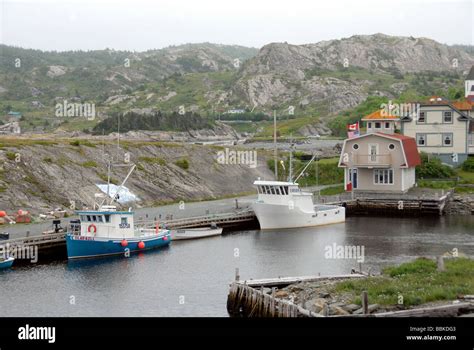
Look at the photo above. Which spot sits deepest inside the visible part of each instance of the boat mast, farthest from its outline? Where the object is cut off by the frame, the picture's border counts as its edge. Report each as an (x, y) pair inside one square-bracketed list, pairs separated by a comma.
[(306, 167), (290, 178), (122, 184), (275, 144)]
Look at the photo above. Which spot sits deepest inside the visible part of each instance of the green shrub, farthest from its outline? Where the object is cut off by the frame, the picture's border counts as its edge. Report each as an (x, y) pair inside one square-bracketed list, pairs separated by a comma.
[(431, 167), (468, 165), (11, 155), (153, 160), (183, 163), (89, 164)]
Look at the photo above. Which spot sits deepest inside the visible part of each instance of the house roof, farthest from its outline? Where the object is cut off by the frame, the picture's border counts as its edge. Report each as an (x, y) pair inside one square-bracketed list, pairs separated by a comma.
[(462, 115), (470, 76), (463, 105), (409, 147), (378, 115)]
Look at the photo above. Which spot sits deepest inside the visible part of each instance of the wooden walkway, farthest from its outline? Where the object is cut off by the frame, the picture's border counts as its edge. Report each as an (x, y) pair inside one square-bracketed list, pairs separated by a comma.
[(41, 241), (221, 220), (398, 205), (248, 299)]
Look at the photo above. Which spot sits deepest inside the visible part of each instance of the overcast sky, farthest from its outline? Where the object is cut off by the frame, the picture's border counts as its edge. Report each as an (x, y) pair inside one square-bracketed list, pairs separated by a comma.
[(141, 24)]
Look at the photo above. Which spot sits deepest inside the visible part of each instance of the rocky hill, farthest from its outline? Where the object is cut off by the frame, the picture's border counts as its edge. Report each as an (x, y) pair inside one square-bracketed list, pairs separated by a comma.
[(342, 73), (40, 175), (317, 80)]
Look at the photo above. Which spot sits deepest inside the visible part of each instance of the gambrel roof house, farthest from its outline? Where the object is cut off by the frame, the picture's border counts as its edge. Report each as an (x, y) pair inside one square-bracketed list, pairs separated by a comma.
[(379, 162)]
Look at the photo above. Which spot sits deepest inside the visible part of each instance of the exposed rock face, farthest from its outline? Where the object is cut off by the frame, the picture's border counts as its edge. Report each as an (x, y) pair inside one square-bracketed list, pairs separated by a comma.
[(460, 205), (56, 71), (54, 175), (284, 73)]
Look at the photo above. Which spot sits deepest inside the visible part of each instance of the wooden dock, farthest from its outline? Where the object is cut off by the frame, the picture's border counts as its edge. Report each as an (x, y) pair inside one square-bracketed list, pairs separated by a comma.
[(43, 242), (53, 241), (253, 298), (395, 205), (225, 220), (248, 298)]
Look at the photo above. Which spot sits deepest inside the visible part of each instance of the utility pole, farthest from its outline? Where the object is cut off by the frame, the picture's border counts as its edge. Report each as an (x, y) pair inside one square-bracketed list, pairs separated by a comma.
[(275, 143)]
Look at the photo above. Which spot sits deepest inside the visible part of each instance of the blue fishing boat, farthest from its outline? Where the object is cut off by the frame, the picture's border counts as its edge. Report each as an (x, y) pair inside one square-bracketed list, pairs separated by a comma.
[(6, 263), (107, 231)]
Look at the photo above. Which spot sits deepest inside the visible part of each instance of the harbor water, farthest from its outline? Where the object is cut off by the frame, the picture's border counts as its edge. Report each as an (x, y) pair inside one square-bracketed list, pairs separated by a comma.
[(191, 278)]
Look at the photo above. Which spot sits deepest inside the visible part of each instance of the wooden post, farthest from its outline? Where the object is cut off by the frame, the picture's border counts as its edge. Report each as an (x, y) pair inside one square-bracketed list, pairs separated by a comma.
[(237, 276), (325, 309), (365, 302), (236, 203), (441, 263)]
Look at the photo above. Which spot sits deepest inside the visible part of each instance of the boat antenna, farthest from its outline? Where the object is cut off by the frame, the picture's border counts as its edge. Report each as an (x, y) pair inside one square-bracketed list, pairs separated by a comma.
[(275, 143), (306, 167)]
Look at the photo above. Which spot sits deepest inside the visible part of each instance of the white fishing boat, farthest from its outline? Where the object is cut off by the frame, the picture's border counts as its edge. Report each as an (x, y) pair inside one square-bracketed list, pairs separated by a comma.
[(282, 204), (194, 233)]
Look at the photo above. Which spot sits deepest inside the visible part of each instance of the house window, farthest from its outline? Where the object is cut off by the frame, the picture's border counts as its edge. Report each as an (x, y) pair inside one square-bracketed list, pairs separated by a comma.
[(387, 125), (89, 218), (369, 125), (447, 140), (123, 222), (421, 139), (383, 176), (99, 218), (107, 218), (272, 190), (422, 117), (355, 146), (378, 125), (447, 117)]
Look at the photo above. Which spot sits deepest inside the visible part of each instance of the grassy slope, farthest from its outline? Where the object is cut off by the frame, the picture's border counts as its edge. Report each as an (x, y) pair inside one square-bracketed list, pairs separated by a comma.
[(418, 282)]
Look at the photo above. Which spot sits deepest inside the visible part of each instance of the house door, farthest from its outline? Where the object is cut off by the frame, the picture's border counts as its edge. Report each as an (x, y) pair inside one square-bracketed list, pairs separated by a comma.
[(353, 177)]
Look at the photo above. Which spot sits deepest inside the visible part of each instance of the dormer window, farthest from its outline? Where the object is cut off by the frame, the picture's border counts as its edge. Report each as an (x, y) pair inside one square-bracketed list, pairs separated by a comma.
[(422, 117), (447, 117)]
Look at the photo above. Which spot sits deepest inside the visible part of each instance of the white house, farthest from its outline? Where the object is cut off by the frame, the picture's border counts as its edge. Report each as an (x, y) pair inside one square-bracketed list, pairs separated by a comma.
[(379, 162), (439, 128)]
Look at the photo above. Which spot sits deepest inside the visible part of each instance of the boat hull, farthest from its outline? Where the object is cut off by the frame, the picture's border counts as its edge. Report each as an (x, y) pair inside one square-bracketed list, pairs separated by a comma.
[(177, 235), (79, 247), (7, 263), (275, 216)]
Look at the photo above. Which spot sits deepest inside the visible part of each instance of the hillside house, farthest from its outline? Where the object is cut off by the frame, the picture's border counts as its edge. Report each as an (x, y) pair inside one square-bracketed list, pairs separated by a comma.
[(379, 162), (441, 128)]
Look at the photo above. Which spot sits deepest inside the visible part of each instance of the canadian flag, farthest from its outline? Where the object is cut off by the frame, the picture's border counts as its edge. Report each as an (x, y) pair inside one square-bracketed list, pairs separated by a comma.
[(353, 127)]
